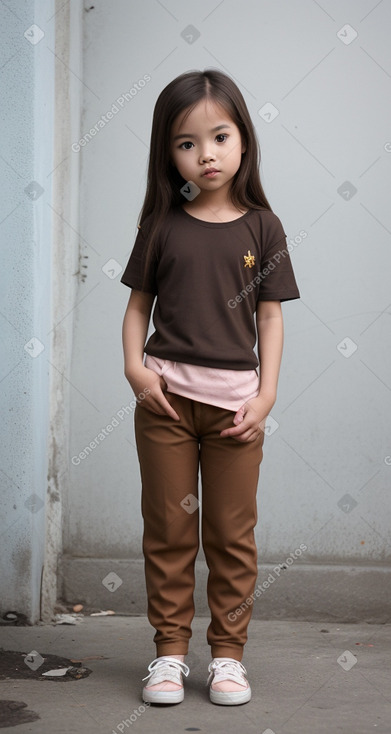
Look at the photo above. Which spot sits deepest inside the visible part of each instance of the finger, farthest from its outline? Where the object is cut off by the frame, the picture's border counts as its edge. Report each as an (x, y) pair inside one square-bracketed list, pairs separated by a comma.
[(242, 432), (236, 430), (152, 405), (164, 402), (167, 407), (163, 383), (158, 403), (248, 437), (239, 416)]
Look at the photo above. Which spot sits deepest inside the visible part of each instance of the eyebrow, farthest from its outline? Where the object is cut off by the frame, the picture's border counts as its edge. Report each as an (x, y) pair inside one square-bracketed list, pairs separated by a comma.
[(214, 129)]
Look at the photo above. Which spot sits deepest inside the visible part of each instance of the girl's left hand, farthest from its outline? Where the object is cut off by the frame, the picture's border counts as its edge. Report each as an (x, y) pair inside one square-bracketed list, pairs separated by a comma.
[(250, 419)]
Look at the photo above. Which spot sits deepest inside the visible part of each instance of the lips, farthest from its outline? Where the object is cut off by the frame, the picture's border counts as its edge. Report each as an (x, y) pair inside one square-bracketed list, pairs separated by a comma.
[(210, 170)]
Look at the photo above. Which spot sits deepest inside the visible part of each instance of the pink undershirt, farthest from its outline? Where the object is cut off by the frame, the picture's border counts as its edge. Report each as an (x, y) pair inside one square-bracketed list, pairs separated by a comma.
[(228, 389)]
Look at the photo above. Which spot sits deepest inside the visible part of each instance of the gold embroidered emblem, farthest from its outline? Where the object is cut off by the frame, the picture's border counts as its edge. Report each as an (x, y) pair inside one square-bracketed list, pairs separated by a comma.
[(249, 260)]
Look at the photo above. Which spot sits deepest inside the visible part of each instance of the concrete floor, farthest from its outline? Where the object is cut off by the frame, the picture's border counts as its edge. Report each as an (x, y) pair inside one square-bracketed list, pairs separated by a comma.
[(298, 685)]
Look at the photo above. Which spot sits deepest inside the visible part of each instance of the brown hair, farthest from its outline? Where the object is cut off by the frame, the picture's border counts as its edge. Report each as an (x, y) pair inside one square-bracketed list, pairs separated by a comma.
[(164, 180)]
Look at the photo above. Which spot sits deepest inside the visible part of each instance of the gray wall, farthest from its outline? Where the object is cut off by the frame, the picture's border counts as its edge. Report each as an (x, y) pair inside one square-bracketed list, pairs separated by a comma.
[(326, 157), (333, 409), (325, 474), (27, 78)]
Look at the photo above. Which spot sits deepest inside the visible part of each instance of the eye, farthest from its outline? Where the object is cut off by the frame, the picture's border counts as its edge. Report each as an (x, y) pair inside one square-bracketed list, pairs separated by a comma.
[(222, 135), (187, 142)]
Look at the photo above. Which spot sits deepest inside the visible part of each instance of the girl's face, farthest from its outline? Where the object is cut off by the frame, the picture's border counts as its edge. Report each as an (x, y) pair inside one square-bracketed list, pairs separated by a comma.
[(207, 139)]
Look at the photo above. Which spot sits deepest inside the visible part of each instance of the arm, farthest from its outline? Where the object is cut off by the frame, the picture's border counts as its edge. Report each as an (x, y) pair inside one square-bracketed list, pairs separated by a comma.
[(270, 330), (134, 333)]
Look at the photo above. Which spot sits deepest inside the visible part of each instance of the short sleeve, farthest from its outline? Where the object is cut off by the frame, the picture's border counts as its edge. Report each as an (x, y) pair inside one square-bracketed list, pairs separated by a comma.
[(133, 275), (278, 281)]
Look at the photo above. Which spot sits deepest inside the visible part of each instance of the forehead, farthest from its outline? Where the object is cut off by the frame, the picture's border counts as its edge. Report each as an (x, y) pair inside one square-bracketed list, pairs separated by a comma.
[(205, 114)]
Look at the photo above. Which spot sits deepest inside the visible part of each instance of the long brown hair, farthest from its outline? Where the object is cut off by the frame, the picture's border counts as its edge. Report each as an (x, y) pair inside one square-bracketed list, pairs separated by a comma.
[(164, 180)]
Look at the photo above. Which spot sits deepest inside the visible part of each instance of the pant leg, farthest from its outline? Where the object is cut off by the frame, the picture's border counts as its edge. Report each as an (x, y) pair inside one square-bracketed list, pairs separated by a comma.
[(168, 454), (230, 472)]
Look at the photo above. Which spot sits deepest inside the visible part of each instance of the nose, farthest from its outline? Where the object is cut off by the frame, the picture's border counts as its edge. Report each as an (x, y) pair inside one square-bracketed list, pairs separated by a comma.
[(206, 156)]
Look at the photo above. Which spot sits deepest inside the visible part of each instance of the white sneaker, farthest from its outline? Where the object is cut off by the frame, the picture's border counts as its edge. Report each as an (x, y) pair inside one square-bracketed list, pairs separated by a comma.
[(165, 669), (228, 669)]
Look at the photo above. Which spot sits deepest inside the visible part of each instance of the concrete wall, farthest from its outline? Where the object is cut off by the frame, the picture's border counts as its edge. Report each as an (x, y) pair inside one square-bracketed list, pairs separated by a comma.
[(41, 80), (315, 77), (27, 78), (316, 80), (65, 174)]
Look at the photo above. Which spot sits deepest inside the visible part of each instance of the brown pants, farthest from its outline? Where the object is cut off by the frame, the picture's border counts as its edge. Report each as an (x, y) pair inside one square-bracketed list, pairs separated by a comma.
[(170, 453)]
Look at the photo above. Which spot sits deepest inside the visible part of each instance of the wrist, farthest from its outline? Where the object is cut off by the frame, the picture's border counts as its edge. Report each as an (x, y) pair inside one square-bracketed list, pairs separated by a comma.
[(133, 370), (268, 395)]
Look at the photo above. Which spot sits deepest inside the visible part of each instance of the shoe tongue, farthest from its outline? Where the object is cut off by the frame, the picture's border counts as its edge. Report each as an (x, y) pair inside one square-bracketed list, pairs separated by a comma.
[(231, 660), (171, 658)]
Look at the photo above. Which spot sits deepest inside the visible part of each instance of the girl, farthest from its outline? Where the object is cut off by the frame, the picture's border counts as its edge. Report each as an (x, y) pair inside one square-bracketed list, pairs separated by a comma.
[(214, 255)]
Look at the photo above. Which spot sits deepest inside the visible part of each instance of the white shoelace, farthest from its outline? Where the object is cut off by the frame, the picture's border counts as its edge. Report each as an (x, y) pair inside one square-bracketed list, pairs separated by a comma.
[(165, 668), (227, 669)]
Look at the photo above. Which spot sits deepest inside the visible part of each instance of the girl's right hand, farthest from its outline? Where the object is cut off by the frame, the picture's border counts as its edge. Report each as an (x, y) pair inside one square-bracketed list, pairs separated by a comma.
[(151, 385)]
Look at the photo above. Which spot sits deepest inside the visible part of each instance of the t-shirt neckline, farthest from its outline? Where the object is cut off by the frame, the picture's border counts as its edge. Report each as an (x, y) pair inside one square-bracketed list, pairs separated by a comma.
[(216, 225)]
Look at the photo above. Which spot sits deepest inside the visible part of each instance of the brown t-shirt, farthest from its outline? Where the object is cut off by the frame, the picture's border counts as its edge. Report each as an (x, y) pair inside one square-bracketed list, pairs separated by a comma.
[(208, 278)]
